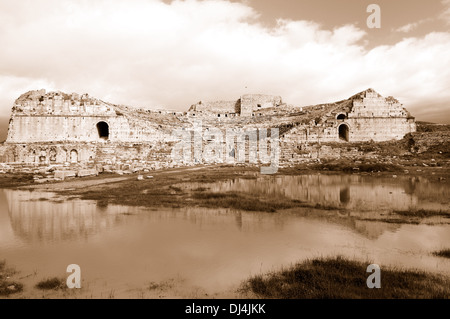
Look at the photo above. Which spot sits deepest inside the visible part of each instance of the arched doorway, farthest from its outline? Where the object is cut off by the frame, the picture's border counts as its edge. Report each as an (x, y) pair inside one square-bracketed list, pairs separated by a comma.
[(341, 117), (344, 132), (103, 130), (73, 156)]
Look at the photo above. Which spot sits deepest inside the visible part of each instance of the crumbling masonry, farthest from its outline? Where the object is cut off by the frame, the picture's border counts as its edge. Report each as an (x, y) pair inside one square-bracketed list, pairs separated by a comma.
[(70, 129)]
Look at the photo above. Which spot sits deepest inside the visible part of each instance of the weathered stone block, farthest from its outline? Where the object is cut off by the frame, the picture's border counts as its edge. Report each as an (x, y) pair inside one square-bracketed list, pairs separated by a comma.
[(65, 174), (87, 172)]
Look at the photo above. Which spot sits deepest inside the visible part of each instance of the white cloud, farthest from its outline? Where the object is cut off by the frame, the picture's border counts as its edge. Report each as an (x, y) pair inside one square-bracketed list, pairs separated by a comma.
[(408, 27), (148, 53), (412, 26), (445, 15)]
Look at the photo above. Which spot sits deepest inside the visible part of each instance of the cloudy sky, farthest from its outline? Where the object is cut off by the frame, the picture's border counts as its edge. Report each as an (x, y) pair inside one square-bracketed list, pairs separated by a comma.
[(152, 53)]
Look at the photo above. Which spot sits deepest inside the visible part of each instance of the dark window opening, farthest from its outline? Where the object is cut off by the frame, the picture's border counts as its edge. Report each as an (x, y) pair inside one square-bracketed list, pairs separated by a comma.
[(344, 195), (344, 132), (73, 156), (103, 130), (53, 155), (341, 117), (259, 105)]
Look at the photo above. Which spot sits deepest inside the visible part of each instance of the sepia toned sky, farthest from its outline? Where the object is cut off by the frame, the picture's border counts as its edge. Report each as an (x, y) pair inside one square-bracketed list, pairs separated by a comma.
[(152, 53)]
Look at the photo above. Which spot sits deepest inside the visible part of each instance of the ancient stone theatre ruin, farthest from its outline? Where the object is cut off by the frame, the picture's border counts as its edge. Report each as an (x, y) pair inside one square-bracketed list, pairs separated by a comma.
[(58, 128)]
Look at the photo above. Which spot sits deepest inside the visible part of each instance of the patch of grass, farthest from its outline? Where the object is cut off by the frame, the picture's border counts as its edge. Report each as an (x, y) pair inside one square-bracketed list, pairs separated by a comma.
[(8, 287), (161, 286), (442, 253), (338, 277), (16, 179), (324, 207), (393, 221), (364, 167), (422, 213), (4, 271), (243, 201), (41, 199), (432, 127), (51, 284)]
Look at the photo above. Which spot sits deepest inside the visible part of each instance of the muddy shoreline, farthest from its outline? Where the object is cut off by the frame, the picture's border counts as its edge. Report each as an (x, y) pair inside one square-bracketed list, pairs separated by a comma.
[(165, 189)]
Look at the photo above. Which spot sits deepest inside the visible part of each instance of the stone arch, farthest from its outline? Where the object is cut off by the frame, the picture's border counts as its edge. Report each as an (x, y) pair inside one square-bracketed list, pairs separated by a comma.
[(103, 130), (341, 116), (344, 132), (74, 156)]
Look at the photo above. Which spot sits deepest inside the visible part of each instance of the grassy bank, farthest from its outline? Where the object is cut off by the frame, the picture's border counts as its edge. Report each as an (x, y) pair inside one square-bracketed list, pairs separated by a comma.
[(15, 180), (191, 187), (243, 201), (51, 284), (338, 277), (172, 189), (443, 253), (422, 213), (7, 286), (349, 167)]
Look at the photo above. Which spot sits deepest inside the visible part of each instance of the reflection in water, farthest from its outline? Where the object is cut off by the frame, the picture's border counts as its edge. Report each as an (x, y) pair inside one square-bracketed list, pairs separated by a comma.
[(344, 196), (217, 248), (45, 217), (348, 191)]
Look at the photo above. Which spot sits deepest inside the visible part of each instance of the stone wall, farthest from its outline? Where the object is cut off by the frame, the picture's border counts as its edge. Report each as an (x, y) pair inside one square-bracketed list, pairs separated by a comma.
[(216, 107), (58, 117), (35, 128), (253, 102), (245, 106), (55, 127), (370, 117), (48, 153), (59, 103)]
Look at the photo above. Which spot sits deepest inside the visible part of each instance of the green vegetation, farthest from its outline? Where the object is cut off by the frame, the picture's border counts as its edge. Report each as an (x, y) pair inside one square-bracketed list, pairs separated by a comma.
[(51, 284), (338, 277)]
